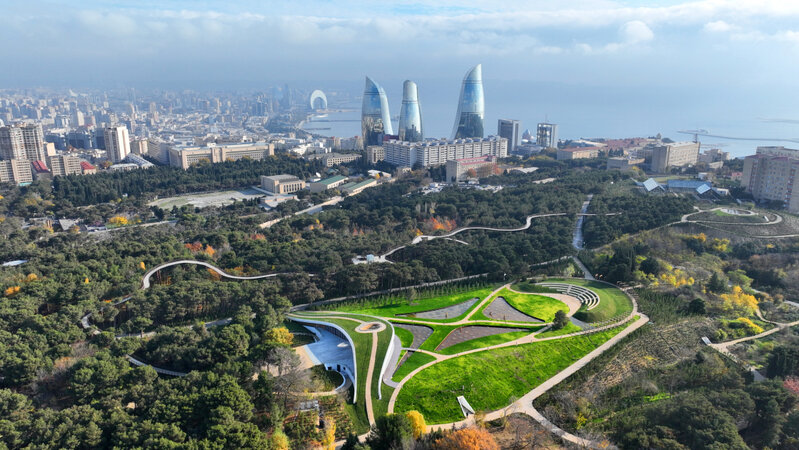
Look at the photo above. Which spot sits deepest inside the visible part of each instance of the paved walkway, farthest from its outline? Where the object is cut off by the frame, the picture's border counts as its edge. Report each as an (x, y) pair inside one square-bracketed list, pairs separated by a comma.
[(500, 309), (724, 347)]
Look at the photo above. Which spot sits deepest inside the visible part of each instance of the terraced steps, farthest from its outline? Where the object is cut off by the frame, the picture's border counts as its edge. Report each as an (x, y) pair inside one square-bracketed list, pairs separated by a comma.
[(586, 296)]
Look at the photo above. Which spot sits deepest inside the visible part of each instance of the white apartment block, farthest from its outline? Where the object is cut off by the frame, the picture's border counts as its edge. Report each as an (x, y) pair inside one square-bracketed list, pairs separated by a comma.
[(435, 153), (117, 143)]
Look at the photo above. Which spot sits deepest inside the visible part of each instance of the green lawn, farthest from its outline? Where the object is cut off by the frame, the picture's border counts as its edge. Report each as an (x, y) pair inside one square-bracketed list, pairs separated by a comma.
[(486, 341), (490, 379), (534, 305), (420, 305), (568, 329), (526, 286), (612, 301), (440, 332), (416, 360), (405, 336)]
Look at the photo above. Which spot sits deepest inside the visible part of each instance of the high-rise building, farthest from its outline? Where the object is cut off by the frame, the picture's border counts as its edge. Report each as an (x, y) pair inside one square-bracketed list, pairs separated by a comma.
[(471, 106), (22, 142), (509, 129), (375, 116), (771, 177), (677, 154), (778, 151), (547, 135), (117, 143), (33, 139), (410, 122), (11, 144), (62, 165), (16, 171), (433, 153)]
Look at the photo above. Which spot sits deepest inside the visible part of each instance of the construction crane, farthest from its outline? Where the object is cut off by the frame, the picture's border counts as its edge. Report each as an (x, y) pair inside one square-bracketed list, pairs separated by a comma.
[(696, 133)]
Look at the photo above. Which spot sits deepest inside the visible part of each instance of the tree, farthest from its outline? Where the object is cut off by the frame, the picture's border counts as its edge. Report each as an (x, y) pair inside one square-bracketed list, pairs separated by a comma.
[(329, 434), (392, 431), (467, 439), (561, 320), (280, 336), (417, 423), (651, 266), (697, 306), (279, 441), (717, 284)]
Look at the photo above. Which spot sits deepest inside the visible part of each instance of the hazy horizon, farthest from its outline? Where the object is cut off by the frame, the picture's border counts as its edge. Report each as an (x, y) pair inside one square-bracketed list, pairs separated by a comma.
[(597, 67)]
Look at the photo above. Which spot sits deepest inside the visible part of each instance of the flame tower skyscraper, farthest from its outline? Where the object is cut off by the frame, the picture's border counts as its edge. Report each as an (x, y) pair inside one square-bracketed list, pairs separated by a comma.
[(375, 116), (410, 121), (471, 106)]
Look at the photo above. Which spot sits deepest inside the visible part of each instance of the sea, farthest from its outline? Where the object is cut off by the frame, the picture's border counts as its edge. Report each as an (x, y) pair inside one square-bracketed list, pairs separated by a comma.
[(737, 121)]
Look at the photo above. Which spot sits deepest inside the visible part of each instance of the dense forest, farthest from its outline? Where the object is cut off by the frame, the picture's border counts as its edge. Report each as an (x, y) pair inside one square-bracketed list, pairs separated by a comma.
[(59, 381), (164, 181)]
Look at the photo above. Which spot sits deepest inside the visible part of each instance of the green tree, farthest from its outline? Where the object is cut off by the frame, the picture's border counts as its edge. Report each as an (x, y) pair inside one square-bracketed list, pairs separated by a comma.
[(392, 431)]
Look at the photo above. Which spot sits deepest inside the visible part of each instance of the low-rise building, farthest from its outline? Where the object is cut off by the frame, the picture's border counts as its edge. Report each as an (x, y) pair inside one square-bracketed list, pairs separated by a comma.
[(333, 159), (477, 167), (327, 183), (16, 171), (355, 188), (578, 153), (281, 184), (184, 157), (623, 163), (87, 169)]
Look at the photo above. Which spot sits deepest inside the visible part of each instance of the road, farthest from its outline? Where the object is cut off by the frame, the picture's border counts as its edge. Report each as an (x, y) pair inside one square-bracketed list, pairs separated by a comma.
[(311, 209)]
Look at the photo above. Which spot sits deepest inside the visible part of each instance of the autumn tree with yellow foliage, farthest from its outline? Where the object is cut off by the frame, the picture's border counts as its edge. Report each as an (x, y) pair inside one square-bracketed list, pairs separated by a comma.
[(119, 221), (739, 301), (418, 424), (280, 335)]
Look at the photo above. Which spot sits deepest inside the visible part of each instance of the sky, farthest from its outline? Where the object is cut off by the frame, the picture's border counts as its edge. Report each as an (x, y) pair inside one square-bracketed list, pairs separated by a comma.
[(730, 56), (741, 43)]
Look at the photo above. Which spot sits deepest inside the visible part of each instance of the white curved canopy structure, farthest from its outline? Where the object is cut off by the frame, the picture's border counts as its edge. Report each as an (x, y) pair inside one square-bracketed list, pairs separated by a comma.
[(318, 95)]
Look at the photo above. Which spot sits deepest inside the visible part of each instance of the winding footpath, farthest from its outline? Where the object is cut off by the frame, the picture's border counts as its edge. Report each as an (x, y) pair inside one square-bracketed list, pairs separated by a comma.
[(528, 223), (724, 347)]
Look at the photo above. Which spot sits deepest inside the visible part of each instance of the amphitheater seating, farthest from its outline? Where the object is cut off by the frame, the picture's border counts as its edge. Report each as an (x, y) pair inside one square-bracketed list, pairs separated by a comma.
[(586, 296)]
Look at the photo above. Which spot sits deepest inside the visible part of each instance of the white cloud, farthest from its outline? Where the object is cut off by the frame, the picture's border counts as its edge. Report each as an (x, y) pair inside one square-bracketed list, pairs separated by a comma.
[(635, 32), (719, 26)]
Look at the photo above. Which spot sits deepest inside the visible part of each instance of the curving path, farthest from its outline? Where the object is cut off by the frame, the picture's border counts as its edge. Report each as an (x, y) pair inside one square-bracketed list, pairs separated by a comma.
[(528, 223), (724, 347), (145, 284)]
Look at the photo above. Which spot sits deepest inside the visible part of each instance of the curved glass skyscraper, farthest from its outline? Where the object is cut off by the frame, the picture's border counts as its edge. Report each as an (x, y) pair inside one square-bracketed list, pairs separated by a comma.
[(471, 106), (375, 117), (410, 121)]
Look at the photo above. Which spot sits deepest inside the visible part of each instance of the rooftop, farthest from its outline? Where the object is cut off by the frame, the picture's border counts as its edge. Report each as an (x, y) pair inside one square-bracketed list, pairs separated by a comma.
[(332, 180), (281, 177)]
